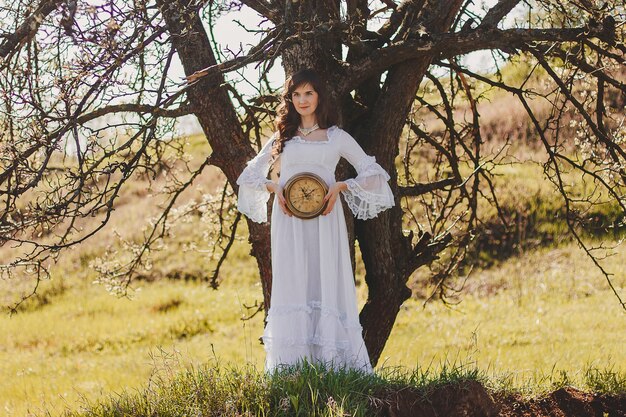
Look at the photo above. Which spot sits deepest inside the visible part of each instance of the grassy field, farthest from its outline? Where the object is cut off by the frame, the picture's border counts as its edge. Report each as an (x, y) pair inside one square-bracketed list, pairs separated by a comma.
[(544, 316), (541, 318)]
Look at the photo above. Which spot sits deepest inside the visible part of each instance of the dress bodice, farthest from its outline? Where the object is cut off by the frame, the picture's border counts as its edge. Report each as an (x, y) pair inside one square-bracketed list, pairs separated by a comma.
[(320, 157)]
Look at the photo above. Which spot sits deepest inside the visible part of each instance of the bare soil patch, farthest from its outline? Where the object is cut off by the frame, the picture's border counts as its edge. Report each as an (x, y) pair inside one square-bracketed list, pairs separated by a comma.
[(471, 399)]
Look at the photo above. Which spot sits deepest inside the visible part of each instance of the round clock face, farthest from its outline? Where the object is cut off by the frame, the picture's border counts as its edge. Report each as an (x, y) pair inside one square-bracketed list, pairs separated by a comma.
[(305, 195)]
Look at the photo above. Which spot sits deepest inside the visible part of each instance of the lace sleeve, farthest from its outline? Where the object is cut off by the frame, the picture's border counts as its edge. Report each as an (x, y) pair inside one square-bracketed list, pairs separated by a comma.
[(369, 193), (253, 195)]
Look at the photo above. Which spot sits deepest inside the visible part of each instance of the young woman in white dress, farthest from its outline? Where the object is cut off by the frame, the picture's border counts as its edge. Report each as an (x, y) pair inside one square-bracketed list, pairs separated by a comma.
[(313, 314)]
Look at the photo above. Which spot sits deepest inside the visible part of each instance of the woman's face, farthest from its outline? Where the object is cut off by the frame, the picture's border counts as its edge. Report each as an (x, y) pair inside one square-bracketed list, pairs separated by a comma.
[(304, 99)]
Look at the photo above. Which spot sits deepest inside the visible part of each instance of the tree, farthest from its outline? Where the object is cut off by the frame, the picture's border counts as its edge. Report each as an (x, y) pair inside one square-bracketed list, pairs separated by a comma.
[(67, 66)]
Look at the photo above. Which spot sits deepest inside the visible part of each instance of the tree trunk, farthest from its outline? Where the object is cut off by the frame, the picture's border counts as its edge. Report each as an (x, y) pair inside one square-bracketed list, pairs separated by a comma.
[(388, 255), (217, 116)]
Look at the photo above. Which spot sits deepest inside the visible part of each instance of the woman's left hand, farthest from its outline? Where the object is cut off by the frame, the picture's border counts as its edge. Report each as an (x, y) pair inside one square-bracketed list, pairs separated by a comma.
[(332, 195)]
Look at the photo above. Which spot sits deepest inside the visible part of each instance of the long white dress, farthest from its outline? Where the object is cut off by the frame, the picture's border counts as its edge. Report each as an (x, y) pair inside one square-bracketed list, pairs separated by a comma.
[(314, 314)]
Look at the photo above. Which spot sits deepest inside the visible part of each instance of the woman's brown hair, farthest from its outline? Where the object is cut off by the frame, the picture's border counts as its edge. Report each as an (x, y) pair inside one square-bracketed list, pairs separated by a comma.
[(288, 118)]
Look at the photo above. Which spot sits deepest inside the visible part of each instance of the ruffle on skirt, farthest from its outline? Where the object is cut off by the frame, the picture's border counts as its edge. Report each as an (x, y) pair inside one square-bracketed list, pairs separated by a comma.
[(316, 333)]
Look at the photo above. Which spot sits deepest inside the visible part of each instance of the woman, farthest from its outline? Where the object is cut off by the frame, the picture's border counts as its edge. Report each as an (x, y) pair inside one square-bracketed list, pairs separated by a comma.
[(313, 314)]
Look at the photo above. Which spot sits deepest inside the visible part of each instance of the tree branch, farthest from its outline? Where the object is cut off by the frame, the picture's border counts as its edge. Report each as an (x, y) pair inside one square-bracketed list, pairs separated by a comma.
[(264, 9), (136, 108), (423, 188), (498, 12), (453, 44), (28, 28), (266, 48), (587, 67)]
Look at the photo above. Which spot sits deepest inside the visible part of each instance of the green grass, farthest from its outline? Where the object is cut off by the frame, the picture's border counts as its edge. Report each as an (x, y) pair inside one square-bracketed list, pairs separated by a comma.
[(535, 318), (300, 390), (303, 390), (540, 319), (89, 343)]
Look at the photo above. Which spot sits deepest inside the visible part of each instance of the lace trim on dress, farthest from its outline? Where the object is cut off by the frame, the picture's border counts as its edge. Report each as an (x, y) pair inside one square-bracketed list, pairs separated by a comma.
[(253, 194), (329, 136), (350, 326), (287, 309), (254, 204), (327, 343), (254, 176), (366, 204), (367, 167), (363, 204)]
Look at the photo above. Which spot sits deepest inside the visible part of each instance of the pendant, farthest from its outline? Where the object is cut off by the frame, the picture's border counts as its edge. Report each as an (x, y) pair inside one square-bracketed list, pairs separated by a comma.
[(306, 130)]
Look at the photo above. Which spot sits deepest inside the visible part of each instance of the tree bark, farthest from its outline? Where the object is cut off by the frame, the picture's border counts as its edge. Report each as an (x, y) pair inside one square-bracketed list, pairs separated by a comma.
[(217, 117), (388, 254)]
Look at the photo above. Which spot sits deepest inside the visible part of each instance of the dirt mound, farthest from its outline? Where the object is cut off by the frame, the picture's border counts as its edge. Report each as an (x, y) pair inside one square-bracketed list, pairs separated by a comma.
[(471, 399), (467, 399), (566, 402)]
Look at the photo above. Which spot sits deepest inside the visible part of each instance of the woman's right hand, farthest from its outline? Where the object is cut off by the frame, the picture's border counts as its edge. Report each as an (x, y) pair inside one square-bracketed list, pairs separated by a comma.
[(272, 187)]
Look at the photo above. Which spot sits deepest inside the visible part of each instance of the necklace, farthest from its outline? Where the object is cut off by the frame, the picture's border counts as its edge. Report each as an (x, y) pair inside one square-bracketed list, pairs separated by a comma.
[(306, 130)]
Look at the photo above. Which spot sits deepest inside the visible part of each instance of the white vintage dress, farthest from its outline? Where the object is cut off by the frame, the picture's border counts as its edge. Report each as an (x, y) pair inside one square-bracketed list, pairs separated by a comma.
[(314, 314)]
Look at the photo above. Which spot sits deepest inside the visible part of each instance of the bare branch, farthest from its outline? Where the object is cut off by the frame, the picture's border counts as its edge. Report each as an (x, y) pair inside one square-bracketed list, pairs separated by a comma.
[(28, 28), (263, 8), (498, 12), (452, 44), (419, 189), (135, 108)]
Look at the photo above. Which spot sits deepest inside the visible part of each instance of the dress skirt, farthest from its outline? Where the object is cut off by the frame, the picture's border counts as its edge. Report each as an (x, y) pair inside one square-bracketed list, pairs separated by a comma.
[(313, 313)]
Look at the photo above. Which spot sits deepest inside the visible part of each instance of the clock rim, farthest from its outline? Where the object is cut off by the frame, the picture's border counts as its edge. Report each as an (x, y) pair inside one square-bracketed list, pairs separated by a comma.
[(287, 188)]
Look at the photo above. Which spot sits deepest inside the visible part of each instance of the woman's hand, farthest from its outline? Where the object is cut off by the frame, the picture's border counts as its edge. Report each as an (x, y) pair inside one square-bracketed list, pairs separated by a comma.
[(272, 187), (333, 193)]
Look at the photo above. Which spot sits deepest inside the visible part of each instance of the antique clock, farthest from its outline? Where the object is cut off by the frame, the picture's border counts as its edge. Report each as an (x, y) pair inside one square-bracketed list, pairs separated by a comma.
[(305, 194)]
